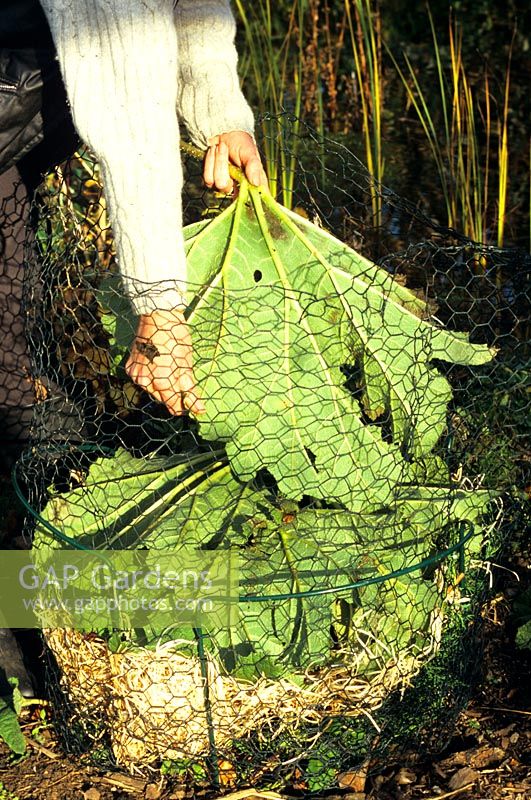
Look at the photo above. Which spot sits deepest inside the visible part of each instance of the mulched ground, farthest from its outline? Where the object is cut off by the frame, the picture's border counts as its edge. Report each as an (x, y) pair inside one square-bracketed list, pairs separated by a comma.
[(488, 758), (494, 764)]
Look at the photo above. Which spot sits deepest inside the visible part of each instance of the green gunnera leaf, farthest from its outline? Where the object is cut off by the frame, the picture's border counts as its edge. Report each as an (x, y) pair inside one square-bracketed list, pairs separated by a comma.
[(283, 308)]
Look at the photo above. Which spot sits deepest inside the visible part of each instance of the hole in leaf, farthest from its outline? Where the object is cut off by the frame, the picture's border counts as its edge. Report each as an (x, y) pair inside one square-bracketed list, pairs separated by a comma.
[(311, 456), (353, 379), (257, 275), (230, 655)]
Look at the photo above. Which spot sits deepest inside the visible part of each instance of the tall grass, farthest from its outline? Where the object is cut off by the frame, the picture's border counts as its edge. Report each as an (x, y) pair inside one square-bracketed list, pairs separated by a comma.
[(296, 71), (274, 63), (503, 154), (462, 149), (312, 57), (364, 27), (300, 71)]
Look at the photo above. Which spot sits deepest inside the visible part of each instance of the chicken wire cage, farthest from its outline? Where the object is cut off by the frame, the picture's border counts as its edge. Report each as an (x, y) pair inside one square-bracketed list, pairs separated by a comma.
[(363, 451)]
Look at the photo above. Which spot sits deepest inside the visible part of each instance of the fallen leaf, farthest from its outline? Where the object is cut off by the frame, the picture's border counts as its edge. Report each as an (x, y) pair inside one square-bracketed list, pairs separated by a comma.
[(41, 392), (227, 773), (354, 780), (463, 777), (506, 731)]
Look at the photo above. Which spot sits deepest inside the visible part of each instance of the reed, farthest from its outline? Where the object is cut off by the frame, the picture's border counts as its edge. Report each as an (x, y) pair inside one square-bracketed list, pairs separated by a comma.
[(364, 27), (473, 189), (292, 61), (297, 53), (274, 64), (503, 153)]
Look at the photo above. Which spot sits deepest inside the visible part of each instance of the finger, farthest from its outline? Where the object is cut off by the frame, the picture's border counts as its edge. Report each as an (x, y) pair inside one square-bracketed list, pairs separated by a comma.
[(169, 398), (179, 402), (254, 172), (177, 399), (151, 390), (222, 178), (193, 404), (172, 399), (190, 395), (208, 166), (180, 394), (248, 158)]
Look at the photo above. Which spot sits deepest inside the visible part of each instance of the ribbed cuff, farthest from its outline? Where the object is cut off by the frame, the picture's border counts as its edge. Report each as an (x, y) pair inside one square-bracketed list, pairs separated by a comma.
[(157, 299)]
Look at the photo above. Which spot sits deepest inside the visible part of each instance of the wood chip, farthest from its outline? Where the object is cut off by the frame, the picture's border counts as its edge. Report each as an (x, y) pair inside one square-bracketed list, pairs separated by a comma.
[(463, 777), (485, 757), (455, 760), (450, 794), (405, 777), (506, 731), (92, 794), (251, 794), (178, 792), (478, 758), (227, 774), (124, 782)]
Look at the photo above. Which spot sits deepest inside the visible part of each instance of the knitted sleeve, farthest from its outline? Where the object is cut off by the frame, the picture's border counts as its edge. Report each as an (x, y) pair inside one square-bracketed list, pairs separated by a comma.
[(120, 65), (209, 97)]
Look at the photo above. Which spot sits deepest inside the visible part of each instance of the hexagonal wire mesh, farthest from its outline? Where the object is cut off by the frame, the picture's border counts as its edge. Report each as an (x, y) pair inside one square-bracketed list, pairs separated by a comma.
[(16, 395), (360, 452)]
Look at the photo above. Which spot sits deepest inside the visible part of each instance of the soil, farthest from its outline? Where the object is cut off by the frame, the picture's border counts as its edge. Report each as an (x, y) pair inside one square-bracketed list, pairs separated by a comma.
[(488, 757)]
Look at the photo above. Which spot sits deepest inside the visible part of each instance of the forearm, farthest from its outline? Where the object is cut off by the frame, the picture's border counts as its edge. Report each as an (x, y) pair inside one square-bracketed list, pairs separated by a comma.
[(210, 100), (119, 61)]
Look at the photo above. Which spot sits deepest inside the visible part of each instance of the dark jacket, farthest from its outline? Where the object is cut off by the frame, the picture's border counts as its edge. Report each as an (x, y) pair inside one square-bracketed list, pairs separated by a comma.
[(33, 104)]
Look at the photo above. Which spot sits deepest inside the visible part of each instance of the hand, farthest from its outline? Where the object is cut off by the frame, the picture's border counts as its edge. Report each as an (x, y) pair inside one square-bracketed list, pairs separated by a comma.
[(235, 147), (161, 361)]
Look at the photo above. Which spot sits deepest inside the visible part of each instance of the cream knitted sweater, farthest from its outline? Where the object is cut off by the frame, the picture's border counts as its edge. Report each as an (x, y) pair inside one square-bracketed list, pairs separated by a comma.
[(131, 68)]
